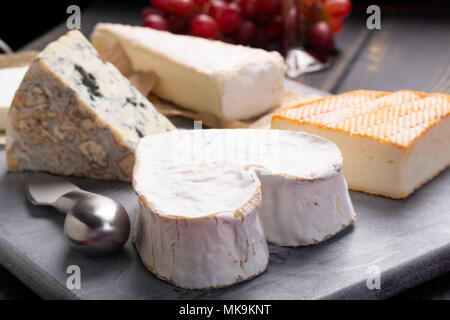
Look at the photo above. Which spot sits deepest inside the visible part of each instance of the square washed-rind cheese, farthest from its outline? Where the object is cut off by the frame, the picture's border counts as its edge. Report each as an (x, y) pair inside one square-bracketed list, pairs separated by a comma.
[(228, 81), (209, 200), (74, 114), (392, 142)]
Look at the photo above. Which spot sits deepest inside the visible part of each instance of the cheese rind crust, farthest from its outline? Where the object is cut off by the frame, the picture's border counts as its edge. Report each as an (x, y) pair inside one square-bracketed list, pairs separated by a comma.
[(213, 252), (73, 114), (322, 208), (386, 138), (198, 74), (209, 200)]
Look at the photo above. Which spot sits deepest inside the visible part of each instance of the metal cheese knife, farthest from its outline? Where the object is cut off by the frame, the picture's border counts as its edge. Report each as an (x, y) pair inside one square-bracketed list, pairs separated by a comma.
[(94, 224)]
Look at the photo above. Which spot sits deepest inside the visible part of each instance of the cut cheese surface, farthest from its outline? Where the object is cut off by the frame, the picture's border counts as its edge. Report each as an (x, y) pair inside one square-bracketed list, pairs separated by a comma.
[(74, 114), (286, 187), (224, 158), (195, 73), (386, 138), (10, 79)]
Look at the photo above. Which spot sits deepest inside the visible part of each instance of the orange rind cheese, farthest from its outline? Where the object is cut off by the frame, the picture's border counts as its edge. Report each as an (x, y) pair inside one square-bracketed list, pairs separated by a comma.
[(398, 134)]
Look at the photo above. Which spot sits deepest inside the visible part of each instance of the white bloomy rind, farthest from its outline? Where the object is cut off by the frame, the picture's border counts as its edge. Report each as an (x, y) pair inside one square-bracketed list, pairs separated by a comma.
[(198, 74), (299, 213), (207, 195), (210, 252)]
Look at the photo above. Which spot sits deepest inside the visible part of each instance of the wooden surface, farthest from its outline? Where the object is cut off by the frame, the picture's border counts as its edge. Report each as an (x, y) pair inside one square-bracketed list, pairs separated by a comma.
[(411, 51)]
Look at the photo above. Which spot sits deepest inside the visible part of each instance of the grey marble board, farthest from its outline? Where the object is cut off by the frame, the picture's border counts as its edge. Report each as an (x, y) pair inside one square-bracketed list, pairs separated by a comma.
[(408, 241)]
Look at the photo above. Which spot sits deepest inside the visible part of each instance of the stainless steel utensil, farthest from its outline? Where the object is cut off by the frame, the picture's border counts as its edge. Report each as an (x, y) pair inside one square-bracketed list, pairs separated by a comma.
[(94, 224)]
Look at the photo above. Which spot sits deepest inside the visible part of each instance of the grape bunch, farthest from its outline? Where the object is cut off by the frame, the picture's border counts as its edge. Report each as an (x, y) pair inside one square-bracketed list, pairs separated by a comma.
[(250, 22), (321, 19)]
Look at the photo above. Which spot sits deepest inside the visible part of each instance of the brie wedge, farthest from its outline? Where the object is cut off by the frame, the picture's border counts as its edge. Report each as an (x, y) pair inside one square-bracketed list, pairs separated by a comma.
[(392, 142), (206, 196), (74, 114), (228, 81), (10, 79)]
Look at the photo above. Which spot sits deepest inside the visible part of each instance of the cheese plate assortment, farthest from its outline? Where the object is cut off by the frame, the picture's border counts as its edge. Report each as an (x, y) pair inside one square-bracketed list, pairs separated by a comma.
[(216, 207)]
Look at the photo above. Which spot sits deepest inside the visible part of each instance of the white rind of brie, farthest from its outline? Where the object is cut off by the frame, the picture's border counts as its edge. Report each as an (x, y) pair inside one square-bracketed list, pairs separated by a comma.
[(209, 199), (211, 252), (229, 81), (300, 213)]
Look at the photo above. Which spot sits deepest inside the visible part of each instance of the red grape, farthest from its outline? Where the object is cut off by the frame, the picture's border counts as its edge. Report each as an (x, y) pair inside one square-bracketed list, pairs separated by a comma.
[(246, 32), (313, 11), (164, 5), (262, 17), (156, 21), (320, 35), (276, 26), (178, 24), (201, 2), (337, 8), (150, 10), (230, 18), (204, 26), (182, 7), (250, 22), (271, 7), (335, 24), (250, 8), (216, 8), (292, 18)]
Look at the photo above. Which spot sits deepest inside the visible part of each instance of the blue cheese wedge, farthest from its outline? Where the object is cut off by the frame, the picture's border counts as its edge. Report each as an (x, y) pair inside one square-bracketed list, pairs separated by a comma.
[(75, 114), (228, 81)]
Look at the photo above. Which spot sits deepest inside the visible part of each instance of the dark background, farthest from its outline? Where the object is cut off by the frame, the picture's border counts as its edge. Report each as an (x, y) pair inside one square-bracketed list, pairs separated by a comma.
[(23, 21)]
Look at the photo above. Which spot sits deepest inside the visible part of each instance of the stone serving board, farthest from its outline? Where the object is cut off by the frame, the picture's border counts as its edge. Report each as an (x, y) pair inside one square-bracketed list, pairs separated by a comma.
[(408, 241)]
